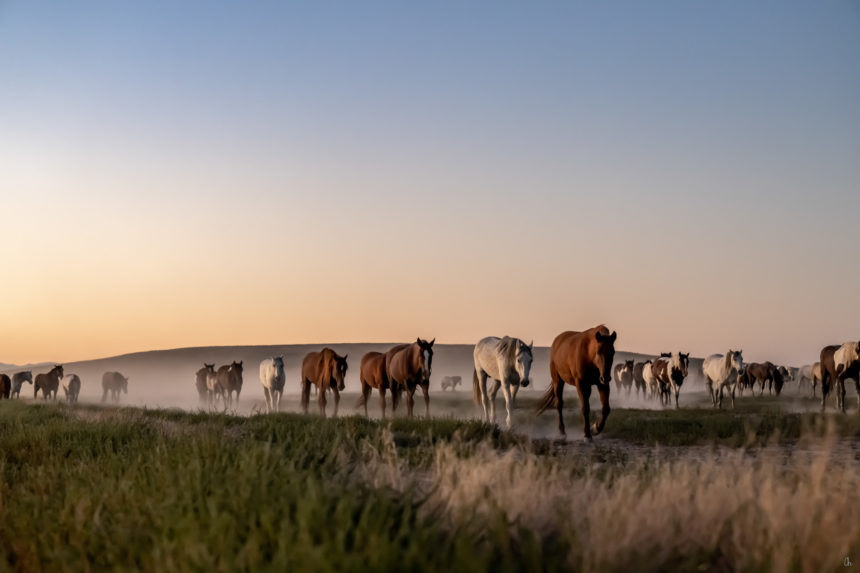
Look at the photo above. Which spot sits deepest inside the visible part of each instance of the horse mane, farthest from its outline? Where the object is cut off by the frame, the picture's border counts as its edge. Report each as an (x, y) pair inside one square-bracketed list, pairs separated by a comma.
[(508, 348)]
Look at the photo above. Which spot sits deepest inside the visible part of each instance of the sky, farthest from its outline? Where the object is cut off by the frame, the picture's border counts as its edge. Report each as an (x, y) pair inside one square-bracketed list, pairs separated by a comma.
[(201, 173)]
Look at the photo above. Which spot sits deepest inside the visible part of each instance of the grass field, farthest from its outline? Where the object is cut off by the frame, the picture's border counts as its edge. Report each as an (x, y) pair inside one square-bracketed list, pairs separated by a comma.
[(92, 488)]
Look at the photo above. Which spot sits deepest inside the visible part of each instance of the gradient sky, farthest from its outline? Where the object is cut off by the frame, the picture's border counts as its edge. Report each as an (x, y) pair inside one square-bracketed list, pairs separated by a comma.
[(196, 173)]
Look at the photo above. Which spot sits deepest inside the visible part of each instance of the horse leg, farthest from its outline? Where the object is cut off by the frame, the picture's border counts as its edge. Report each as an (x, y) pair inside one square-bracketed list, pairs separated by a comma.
[(603, 390), (514, 389), (381, 401), (321, 400), (584, 391), (336, 401), (485, 398), (840, 388), (306, 395), (493, 393), (366, 390), (425, 388), (857, 386), (268, 397), (506, 392), (677, 391), (410, 399)]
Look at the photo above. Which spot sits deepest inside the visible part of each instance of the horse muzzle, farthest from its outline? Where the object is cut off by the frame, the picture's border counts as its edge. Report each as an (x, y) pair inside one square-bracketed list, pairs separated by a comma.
[(525, 383)]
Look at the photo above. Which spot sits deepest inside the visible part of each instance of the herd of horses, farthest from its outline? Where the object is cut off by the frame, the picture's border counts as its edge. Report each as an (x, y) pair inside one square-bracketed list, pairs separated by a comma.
[(48, 383), (583, 360)]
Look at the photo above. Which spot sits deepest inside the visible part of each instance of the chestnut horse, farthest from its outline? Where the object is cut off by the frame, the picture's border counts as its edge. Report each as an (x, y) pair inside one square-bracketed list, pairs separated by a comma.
[(373, 375), (229, 380), (48, 383), (765, 373), (113, 383), (409, 366), (581, 359), (325, 370), (838, 364)]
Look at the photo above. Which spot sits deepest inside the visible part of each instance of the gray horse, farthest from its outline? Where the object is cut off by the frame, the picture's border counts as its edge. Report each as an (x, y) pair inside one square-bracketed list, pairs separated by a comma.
[(507, 361), (18, 380)]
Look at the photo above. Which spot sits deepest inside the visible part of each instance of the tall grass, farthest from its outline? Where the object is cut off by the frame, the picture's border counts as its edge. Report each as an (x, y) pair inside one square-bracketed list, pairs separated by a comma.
[(92, 489)]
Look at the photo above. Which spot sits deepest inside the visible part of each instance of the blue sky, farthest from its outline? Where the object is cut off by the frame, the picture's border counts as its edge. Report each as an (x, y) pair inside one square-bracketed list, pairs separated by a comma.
[(685, 172)]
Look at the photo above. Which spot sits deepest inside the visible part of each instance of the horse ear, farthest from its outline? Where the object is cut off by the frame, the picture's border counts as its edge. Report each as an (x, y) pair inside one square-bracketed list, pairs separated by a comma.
[(344, 357), (613, 336), (432, 341), (532, 345), (599, 336)]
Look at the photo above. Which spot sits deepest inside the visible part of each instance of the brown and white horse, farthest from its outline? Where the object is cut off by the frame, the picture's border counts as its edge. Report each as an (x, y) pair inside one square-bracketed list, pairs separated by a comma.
[(670, 371), (327, 371), (581, 359), (623, 374), (409, 366), (639, 377), (48, 383), (200, 381), (838, 364), (373, 375)]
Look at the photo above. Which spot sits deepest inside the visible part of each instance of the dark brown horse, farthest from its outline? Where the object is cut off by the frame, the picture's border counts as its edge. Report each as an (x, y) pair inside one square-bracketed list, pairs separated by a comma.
[(409, 366), (229, 380), (48, 383), (581, 359), (113, 383), (838, 364), (766, 374), (325, 370), (200, 381), (373, 375), (639, 379), (5, 386)]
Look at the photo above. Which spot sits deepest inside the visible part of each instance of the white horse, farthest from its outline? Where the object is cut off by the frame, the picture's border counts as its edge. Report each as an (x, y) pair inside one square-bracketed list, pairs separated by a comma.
[(721, 372), (507, 361), (18, 380), (809, 374), (652, 385), (272, 378), (72, 387)]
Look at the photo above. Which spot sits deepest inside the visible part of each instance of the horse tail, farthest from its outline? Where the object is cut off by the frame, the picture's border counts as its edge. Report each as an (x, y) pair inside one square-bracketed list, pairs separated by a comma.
[(548, 401), (476, 389)]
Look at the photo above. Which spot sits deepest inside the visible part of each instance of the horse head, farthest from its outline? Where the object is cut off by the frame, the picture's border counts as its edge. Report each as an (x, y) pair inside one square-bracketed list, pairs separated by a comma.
[(523, 364), (605, 355), (736, 360), (425, 359), (59, 370), (338, 378)]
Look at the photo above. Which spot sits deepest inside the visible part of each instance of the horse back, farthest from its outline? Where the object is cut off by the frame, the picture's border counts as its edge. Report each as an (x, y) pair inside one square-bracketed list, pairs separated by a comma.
[(397, 363), (372, 369)]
